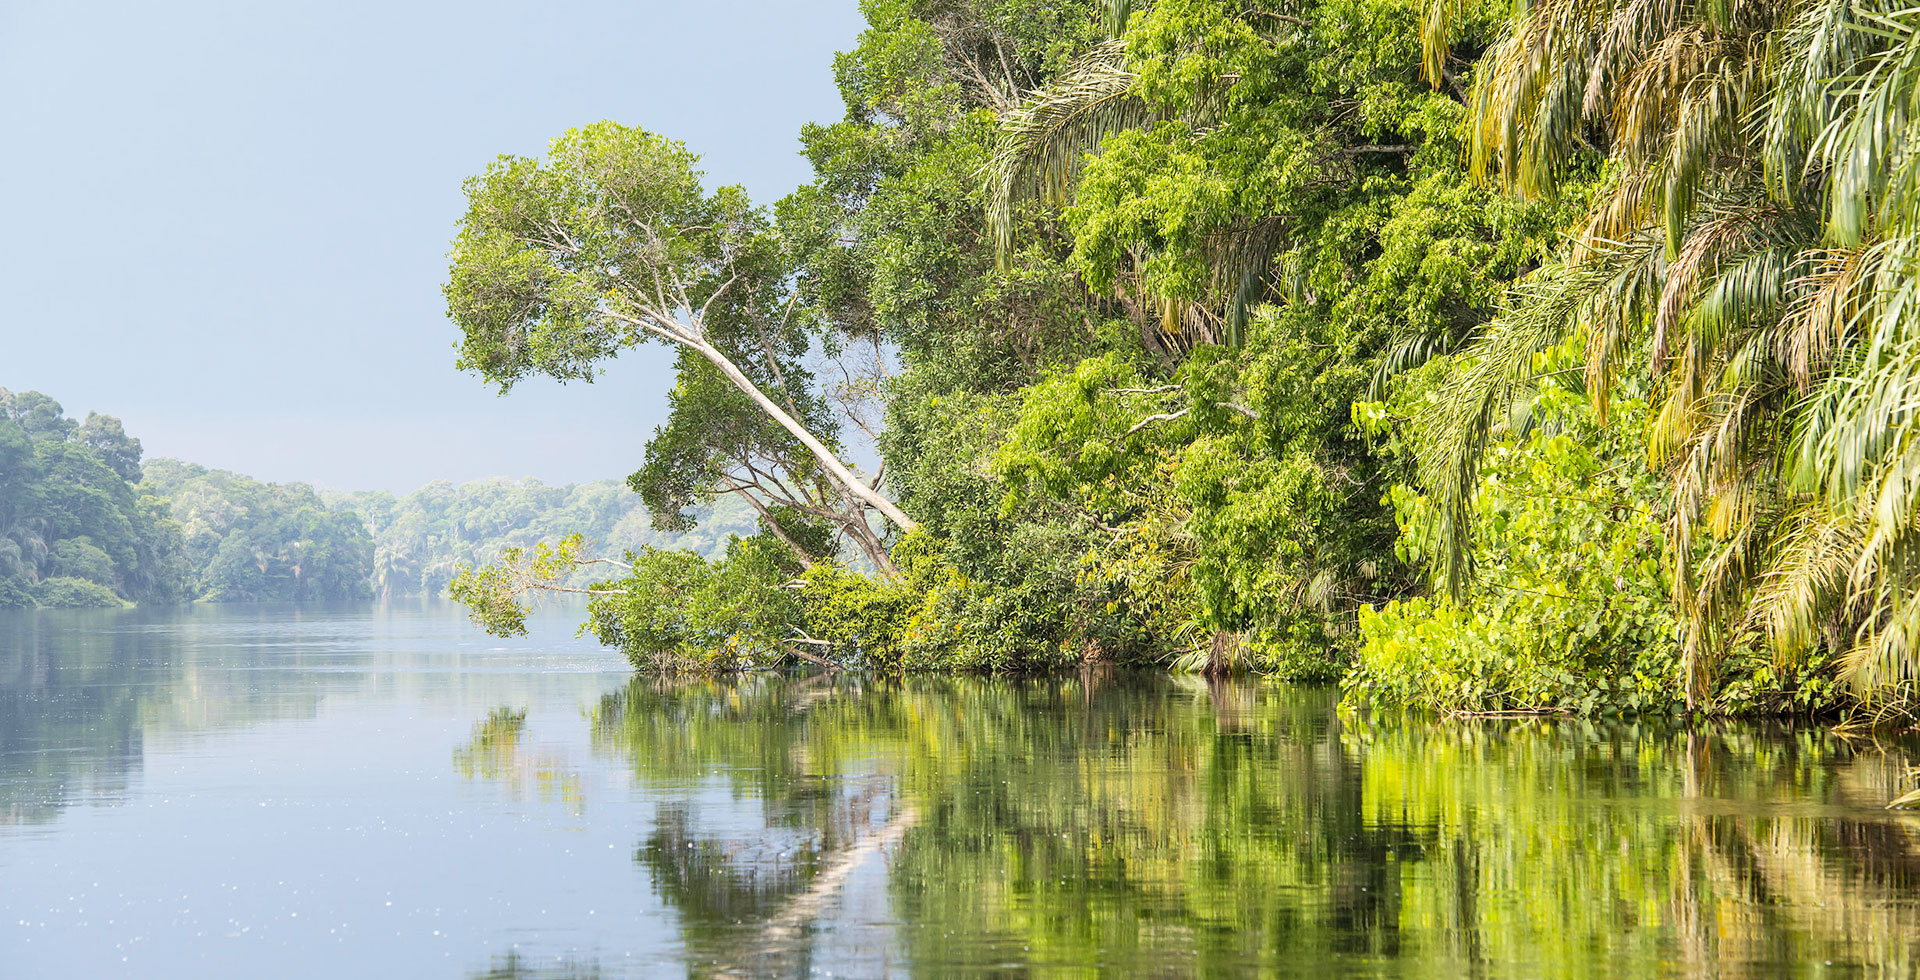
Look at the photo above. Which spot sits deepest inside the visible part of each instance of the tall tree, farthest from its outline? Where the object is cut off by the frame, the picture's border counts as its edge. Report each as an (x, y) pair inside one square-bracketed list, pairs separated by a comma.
[(610, 242), (109, 440)]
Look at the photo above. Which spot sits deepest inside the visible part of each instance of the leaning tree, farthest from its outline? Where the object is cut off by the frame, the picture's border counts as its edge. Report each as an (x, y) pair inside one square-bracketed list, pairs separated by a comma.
[(611, 242)]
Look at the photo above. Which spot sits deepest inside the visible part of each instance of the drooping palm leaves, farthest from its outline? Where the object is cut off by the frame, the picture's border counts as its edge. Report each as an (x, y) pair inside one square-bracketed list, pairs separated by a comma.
[(1498, 370), (1044, 146), (1044, 143), (1768, 148)]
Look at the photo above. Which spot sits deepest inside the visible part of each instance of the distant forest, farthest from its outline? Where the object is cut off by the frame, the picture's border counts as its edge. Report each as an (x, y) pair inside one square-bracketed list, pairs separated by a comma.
[(85, 522), (421, 539)]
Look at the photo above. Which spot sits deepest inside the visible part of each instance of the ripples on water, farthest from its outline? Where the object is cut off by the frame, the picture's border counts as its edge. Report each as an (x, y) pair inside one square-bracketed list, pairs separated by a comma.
[(381, 791)]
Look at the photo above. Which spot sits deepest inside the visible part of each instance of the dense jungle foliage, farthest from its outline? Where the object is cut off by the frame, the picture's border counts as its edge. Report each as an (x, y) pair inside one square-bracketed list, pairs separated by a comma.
[(1489, 357), (248, 541), (84, 522)]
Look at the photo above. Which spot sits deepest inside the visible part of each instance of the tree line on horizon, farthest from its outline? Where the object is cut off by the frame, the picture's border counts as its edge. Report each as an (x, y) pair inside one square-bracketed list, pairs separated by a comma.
[(422, 539), (86, 522)]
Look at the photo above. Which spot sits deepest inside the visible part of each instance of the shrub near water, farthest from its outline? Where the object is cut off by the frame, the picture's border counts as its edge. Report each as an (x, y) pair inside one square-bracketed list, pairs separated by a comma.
[(1570, 609), (75, 593)]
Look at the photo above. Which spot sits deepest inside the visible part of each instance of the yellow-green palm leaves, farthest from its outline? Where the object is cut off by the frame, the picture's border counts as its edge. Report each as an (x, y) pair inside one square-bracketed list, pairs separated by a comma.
[(1756, 240)]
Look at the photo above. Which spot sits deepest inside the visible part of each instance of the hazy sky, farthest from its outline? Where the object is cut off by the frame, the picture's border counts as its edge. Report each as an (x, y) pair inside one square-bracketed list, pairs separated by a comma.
[(227, 223)]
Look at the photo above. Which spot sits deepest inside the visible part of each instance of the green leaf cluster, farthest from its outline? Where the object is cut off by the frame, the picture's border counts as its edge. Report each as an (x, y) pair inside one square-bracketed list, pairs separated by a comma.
[(1212, 336), (1570, 609)]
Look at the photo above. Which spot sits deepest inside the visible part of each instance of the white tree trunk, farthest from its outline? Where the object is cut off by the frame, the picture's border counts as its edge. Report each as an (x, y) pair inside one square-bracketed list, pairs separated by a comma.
[(831, 462)]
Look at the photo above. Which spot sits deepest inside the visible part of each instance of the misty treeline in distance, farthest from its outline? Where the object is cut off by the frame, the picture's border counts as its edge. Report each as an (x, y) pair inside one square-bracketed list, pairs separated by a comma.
[(1485, 357), (85, 522), (421, 539), (75, 530)]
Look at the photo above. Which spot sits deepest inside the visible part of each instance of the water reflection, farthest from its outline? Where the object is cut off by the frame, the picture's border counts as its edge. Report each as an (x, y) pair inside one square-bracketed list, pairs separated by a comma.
[(502, 751), (1144, 824), (82, 690), (513, 966), (250, 791), (306, 792)]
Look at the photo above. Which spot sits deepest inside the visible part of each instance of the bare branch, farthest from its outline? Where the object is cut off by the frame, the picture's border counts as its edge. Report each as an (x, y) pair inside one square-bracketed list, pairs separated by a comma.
[(1149, 420), (561, 588), (1352, 151), (766, 516), (702, 315), (602, 561), (817, 661), (1002, 101)]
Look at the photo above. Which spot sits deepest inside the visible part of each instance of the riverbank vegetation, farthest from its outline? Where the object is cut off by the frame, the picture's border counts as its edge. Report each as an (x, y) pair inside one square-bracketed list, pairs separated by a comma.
[(246, 540), (1490, 358)]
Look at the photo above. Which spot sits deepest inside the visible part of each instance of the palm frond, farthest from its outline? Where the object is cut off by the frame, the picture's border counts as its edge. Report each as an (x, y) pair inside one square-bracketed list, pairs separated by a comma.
[(1454, 428), (1436, 38), (1044, 143), (1810, 567)]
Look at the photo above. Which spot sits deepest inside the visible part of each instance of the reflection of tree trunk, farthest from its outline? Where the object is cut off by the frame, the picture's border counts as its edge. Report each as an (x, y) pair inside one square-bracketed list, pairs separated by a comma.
[(1232, 702), (782, 929), (1466, 901), (1692, 923), (1718, 866), (1224, 655), (808, 904)]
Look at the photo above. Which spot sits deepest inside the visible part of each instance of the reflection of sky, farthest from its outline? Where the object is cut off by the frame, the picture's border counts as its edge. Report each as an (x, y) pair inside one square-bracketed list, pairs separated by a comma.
[(334, 838)]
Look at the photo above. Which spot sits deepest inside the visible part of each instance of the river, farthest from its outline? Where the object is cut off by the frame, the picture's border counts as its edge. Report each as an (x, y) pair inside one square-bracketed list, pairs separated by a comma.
[(283, 791)]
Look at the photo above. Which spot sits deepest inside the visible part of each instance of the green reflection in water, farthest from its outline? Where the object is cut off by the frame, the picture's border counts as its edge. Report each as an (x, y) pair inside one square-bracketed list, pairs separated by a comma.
[(501, 751), (81, 691), (1159, 826), (513, 966)]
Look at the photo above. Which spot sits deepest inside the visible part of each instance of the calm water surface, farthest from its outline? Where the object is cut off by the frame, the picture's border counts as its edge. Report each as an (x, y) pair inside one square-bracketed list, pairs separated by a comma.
[(381, 791)]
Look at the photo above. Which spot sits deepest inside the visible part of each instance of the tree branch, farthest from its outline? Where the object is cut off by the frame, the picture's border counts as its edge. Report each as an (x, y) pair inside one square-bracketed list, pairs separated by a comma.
[(562, 588), (810, 658), (603, 561), (1353, 151), (1149, 420), (1288, 18), (806, 560)]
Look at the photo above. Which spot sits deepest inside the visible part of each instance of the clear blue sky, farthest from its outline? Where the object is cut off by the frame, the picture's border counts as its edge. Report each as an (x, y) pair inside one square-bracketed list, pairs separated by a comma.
[(226, 223)]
